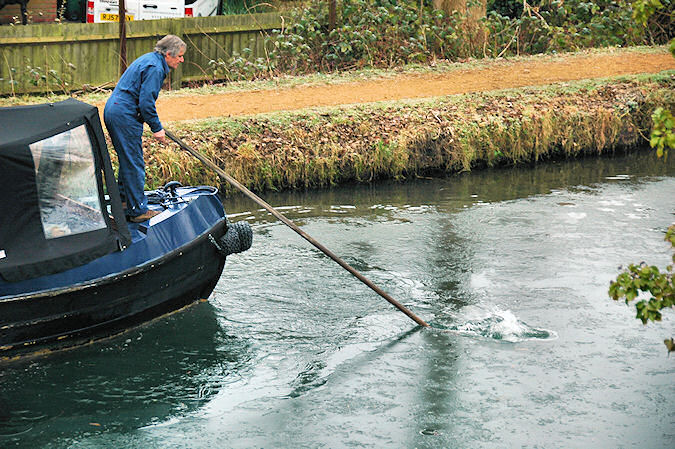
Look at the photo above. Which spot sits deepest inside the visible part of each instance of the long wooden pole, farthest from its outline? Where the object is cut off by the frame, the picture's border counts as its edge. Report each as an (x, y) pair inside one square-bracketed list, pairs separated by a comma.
[(294, 227)]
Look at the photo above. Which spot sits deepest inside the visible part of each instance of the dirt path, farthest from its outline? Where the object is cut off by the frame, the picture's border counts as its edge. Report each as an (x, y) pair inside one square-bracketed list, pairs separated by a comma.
[(499, 75)]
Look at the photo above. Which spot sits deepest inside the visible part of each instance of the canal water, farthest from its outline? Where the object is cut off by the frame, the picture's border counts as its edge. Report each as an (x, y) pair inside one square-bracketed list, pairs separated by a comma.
[(510, 266)]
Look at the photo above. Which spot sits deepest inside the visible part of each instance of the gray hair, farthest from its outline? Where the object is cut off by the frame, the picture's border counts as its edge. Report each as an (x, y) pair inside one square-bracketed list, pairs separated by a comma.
[(170, 44)]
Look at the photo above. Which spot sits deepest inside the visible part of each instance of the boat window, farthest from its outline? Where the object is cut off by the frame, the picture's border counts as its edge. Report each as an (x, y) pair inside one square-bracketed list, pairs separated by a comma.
[(66, 184)]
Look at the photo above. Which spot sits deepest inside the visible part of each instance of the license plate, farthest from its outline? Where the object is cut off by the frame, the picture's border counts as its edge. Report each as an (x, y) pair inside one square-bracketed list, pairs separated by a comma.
[(105, 17)]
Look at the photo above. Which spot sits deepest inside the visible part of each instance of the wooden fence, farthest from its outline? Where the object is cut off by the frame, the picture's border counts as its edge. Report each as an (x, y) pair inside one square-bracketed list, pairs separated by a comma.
[(65, 57)]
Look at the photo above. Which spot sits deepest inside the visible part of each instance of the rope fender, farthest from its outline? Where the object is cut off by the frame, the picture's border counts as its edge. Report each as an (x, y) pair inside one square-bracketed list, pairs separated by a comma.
[(237, 239)]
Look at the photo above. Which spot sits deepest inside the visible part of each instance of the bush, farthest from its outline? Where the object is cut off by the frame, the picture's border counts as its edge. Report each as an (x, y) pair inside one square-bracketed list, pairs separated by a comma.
[(379, 33), (387, 33), (563, 25)]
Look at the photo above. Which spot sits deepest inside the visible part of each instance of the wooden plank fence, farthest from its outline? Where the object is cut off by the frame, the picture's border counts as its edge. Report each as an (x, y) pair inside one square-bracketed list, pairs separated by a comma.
[(70, 56)]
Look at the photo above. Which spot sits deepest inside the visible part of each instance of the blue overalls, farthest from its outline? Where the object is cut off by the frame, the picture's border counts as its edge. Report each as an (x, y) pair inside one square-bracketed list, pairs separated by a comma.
[(132, 103)]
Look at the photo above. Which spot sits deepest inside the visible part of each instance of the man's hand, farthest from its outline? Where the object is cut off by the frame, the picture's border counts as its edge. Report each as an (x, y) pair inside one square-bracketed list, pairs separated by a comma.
[(160, 135)]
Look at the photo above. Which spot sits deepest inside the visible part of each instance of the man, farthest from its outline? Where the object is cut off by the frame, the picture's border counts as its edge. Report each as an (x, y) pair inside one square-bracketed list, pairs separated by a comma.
[(131, 104)]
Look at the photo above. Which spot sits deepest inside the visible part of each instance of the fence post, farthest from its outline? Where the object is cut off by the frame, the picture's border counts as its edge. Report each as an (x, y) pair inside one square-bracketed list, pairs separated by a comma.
[(332, 15), (122, 9)]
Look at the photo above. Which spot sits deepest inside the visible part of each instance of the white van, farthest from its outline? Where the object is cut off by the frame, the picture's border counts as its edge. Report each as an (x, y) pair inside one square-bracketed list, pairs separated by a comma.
[(99, 11), (202, 8)]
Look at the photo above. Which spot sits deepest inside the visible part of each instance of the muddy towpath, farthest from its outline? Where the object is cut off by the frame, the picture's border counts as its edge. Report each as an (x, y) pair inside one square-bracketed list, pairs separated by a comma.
[(492, 75)]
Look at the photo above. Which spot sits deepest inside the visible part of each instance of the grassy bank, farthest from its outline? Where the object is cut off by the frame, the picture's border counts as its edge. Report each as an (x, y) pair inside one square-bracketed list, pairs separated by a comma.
[(401, 140)]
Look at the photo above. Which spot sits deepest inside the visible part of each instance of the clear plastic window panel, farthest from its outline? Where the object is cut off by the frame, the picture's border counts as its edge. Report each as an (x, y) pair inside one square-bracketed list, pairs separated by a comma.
[(66, 184)]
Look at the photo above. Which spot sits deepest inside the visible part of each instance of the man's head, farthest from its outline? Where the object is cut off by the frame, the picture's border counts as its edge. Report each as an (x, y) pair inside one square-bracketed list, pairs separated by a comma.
[(172, 48)]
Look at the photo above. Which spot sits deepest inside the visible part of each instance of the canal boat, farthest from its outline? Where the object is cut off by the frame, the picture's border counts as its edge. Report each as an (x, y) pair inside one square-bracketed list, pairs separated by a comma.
[(72, 268)]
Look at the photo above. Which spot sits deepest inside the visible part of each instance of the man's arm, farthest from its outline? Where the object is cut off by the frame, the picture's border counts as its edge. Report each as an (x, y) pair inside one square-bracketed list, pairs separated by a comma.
[(151, 83)]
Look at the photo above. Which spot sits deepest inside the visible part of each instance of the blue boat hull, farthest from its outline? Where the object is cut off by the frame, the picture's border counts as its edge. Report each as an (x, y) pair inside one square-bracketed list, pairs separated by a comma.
[(171, 263)]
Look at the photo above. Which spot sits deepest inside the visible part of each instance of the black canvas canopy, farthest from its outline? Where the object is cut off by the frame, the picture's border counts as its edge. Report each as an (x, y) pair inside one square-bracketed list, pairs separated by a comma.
[(55, 172)]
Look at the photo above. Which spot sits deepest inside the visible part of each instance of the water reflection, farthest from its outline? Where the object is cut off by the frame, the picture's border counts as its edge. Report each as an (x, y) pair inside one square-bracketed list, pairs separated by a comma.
[(384, 199), (168, 367), (438, 394)]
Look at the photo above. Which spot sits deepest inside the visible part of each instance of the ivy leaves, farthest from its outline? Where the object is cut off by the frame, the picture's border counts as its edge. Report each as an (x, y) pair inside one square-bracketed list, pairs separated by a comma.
[(644, 279)]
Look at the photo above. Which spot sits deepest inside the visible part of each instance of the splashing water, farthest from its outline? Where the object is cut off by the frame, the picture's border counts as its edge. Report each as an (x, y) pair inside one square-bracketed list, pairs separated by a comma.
[(497, 324)]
